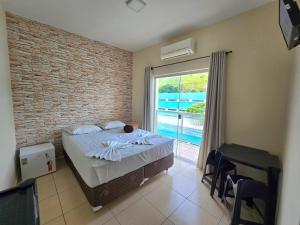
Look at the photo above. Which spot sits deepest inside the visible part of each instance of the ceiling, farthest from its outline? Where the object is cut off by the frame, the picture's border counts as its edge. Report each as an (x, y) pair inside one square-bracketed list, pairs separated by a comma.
[(112, 22)]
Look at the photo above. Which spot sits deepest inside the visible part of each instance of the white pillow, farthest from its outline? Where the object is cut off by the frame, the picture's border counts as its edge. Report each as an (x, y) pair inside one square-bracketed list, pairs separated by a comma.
[(113, 124), (82, 129)]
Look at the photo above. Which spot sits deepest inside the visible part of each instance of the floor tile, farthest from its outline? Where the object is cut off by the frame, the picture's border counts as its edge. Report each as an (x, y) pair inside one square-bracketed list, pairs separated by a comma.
[(187, 151), (160, 197), (113, 221), (180, 164), (192, 172), (201, 196), (49, 209), (165, 199), (141, 213), (168, 222), (225, 220), (181, 184), (223, 223), (174, 171), (63, 172), (60, 164), (191, 214), (247, 213), (250, 214), (83, 215), (152, 184), (58, 221), (71, 198), (123, 202), (46, 188), (44, 179), (65, 180)]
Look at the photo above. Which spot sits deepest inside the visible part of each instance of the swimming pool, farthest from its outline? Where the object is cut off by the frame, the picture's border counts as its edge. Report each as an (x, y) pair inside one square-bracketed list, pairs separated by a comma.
[(168, 108), (168, 125), (188, 135)]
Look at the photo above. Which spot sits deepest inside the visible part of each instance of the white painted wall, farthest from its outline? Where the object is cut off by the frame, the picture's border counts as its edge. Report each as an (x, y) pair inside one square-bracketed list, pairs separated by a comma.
[(7, 127), (290, 197), (263, 76), (257, 80)]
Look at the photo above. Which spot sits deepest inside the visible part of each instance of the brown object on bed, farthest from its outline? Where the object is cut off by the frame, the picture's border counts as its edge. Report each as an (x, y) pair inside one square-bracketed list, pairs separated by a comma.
[(134, 124), (105, 193), (128, 129)]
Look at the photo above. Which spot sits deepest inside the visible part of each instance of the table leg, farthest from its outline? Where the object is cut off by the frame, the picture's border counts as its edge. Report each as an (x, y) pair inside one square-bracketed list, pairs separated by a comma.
[(273, 177)]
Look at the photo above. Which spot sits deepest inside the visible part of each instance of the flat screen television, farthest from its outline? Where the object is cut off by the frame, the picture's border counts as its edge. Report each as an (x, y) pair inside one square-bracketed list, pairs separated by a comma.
[(289, 20)]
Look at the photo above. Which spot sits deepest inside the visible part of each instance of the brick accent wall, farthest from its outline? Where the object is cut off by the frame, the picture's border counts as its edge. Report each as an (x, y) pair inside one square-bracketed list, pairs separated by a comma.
[(60, 79)]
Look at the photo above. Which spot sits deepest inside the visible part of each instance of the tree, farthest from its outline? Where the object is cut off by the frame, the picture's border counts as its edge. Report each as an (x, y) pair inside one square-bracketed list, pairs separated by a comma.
[(167, 88), (188, 83), (197, 108), (194, 83)]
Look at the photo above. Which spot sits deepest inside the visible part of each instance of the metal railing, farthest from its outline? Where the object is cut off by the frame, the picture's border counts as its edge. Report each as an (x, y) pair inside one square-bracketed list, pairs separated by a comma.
[(183, 126)]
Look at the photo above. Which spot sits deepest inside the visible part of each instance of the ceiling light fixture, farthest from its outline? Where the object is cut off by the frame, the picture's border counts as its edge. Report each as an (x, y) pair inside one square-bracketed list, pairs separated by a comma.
[(136, 5)]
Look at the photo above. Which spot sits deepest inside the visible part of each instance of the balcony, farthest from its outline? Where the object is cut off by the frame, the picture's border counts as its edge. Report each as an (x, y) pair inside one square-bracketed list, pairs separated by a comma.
[(186, 128)]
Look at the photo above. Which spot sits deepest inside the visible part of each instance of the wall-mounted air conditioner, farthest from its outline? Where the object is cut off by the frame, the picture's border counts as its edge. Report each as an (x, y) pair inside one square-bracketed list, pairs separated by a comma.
[(178, 49)]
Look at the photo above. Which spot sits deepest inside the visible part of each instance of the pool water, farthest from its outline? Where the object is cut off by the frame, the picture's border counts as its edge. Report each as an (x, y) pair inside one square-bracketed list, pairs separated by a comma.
[(189, 135), (169, 105)]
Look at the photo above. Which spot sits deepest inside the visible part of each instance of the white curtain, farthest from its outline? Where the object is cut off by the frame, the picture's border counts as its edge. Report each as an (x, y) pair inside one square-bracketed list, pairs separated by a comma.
[(213, 131), (147, 123)]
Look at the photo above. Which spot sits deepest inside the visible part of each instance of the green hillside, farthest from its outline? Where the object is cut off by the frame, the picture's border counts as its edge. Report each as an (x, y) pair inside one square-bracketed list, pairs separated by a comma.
[(189, 83)]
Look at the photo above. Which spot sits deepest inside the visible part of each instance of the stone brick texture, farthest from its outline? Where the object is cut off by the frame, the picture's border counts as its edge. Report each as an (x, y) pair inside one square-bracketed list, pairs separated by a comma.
[(61, 79)]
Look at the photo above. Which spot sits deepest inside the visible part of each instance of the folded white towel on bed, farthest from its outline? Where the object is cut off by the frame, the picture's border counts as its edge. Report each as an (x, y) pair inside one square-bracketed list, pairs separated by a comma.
[(111, 151), (113, 148), (141, 141), (139, 137)]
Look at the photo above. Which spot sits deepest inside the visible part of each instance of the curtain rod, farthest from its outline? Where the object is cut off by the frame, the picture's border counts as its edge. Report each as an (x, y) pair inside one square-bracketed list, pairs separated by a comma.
[(170, 64)]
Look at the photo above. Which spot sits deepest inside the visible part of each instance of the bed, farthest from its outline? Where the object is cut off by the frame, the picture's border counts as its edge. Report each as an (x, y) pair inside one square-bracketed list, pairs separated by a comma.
[(102, 180)]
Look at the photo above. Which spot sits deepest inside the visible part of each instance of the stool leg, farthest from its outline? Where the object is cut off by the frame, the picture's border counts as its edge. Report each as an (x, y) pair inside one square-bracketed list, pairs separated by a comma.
[(235, 219), (222, 181), (236, 214), (204, 172), (225, 193)]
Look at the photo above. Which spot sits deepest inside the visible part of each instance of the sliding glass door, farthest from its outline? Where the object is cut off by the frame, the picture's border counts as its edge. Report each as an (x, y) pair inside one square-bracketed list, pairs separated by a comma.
[(180, 110), (167, 106)]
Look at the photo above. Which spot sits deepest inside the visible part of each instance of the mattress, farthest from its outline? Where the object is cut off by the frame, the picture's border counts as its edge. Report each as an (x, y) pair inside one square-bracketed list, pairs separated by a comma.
[(98, 171)]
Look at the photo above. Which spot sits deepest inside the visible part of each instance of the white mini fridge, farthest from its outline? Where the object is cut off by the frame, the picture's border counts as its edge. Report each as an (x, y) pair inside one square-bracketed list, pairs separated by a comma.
[(37, 160)]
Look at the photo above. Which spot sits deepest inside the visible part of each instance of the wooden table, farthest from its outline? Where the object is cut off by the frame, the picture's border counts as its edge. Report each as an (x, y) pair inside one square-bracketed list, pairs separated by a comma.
[(257, 159)]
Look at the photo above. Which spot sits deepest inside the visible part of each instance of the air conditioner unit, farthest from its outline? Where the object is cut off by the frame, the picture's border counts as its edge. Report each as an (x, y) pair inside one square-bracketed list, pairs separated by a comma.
[(178, 49)]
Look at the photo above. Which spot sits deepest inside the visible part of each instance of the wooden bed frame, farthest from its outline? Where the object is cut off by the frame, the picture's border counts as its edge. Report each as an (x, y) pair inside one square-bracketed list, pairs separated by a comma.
[(107, 192)]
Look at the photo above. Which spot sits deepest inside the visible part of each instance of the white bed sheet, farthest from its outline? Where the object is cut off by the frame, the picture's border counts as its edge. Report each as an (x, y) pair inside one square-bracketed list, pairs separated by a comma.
[(97, 171)]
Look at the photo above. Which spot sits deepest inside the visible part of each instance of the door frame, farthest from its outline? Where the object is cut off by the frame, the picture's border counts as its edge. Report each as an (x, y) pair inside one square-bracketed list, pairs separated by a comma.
[(156, 76), (155, 105)]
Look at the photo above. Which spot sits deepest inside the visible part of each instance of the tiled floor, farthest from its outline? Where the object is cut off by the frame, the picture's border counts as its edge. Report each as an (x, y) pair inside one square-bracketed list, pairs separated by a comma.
[(174, 198), (187, 151)]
